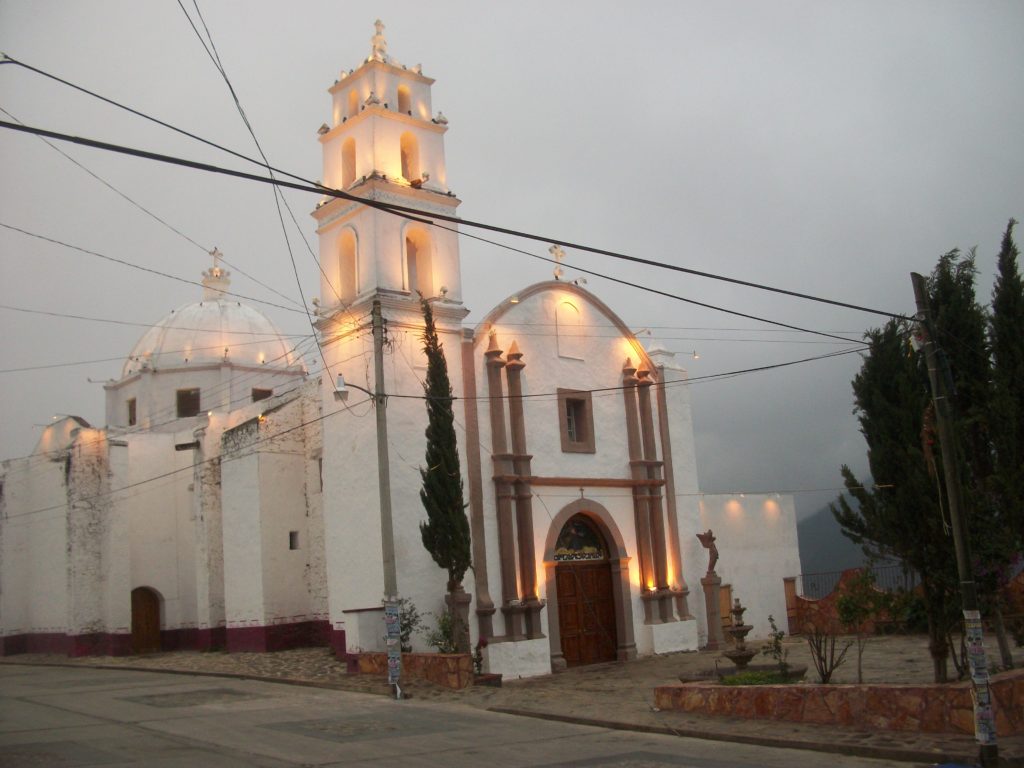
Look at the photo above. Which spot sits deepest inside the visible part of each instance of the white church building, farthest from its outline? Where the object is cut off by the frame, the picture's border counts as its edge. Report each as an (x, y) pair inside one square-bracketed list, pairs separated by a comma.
[(232, 500)]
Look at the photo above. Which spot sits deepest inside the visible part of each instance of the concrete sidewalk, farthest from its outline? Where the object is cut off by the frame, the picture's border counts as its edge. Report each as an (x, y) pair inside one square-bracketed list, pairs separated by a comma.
[(613, 696)]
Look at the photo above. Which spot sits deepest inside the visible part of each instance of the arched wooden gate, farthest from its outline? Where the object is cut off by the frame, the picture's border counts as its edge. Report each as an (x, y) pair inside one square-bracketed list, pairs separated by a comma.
[(586, 606)]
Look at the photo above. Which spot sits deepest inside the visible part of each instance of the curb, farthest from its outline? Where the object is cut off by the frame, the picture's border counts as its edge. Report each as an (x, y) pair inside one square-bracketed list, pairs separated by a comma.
[(857, 750)]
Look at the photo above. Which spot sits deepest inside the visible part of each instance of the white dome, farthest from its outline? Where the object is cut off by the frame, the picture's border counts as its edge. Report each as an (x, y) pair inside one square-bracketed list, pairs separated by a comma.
[(216, 330)]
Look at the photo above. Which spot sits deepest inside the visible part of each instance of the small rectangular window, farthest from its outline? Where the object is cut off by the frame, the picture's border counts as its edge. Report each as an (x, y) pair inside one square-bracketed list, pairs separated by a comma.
[(576, 417), (261, 394), (293, 539), (131, 412), (188, 403)]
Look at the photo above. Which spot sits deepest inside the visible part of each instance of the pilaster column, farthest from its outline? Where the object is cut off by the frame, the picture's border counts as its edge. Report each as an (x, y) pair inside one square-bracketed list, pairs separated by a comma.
[(641, 518), (470, 405), (502, 460), (523, 492), (652, 470), (675, 560)]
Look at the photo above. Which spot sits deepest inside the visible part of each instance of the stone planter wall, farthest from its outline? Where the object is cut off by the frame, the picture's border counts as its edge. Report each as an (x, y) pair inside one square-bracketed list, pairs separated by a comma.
[(452, 670), (927, 708)]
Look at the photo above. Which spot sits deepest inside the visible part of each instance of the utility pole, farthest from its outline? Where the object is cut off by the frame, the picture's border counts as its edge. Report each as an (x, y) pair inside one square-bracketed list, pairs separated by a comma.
[(984, 718), (387, 534)]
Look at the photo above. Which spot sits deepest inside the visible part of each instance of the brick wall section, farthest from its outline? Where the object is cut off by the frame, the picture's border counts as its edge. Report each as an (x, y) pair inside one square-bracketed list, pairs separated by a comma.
[(925, 708), (451, 670)]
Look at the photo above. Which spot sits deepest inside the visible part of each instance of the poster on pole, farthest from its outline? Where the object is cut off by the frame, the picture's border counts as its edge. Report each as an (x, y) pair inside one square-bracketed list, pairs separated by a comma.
[(984, 717), (393, 640)]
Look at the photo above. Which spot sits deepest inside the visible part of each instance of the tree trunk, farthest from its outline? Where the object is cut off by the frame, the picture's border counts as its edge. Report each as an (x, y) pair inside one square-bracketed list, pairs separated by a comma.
[(939, 650), (458, 605), (1000, 630)]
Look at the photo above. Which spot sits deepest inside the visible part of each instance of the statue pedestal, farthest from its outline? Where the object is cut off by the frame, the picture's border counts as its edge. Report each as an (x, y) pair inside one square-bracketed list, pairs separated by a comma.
[(712, 585)]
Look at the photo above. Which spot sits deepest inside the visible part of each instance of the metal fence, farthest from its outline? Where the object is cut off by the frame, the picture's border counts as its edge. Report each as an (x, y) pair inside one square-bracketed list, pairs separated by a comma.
[(890, 578)]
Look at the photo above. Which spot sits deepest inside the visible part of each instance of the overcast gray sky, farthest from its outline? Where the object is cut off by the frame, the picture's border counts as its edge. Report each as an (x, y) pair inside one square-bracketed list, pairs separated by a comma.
[(826, 147)]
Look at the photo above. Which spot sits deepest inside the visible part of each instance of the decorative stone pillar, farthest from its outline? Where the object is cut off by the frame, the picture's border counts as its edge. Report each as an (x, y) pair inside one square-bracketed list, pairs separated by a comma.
[(712, 585), (524, 493), (641, 518), (679, 589), (470, 405), (652, 471), (511, 607)]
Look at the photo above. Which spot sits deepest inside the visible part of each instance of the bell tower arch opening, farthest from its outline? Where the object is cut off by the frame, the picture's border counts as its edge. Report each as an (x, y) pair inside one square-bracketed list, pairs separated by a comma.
[(348, 163), (404, 100), (419, 271), (410, 149), (348, 265)]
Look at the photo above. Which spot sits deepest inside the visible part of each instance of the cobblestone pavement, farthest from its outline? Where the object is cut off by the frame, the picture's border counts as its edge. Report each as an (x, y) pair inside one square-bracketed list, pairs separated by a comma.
[(614, 694)]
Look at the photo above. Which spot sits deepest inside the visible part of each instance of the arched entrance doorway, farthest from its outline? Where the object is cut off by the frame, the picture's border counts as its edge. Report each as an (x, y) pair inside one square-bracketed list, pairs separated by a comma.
[(145, 620), (586, 605)]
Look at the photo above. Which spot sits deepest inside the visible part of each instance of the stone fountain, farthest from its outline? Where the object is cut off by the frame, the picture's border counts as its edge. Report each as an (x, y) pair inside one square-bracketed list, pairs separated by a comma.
[(740, 655)]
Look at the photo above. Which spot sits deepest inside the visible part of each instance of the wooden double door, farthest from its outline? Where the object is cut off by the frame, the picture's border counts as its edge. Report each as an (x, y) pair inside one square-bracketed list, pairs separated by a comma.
[(586, 612)]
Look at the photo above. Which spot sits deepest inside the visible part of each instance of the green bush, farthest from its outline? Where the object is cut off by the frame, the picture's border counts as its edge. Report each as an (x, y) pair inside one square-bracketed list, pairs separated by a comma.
[(755, 678)]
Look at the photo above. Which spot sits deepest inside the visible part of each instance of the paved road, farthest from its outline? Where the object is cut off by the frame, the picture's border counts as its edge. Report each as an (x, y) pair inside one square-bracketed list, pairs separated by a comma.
[(57, 716)]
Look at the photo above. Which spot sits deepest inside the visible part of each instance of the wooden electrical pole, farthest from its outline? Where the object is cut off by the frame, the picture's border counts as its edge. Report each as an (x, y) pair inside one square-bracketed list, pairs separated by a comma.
[(984, 718)]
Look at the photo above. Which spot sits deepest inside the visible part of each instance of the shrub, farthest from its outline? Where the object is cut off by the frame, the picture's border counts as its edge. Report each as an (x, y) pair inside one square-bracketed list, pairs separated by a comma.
[(774, 647), (442, 637)]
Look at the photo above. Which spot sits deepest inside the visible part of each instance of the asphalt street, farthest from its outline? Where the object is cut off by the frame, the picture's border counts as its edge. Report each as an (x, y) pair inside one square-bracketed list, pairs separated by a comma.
[(59, 716)]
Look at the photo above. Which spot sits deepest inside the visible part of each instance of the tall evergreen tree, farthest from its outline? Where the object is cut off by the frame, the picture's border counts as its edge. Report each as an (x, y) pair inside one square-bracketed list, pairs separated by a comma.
[(900, 515), (1006, 334), (446, 531)]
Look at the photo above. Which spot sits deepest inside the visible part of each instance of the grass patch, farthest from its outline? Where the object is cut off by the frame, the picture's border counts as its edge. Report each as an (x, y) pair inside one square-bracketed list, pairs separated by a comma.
[(754, 678)]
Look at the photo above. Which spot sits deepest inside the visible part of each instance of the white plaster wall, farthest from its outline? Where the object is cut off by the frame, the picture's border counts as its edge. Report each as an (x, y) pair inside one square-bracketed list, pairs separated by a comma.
[(33, 560), (116, 554), (351, 511), (244, 598), (351, 506), (87, 521), (159, 506), (757, 544), (282, 508), (316, 555)]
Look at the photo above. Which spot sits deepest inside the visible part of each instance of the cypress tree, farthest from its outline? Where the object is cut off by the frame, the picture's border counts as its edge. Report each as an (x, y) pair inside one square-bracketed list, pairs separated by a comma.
[(446, 531), (899, 516), (1006, 334)]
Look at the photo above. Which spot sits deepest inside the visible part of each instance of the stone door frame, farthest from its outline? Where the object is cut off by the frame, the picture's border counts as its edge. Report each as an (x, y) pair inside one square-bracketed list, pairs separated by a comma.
[(618, 562)]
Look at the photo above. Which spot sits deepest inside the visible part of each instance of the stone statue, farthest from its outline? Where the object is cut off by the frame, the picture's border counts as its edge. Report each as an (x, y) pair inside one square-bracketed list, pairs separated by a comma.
[(558, 254), (380, 45), (707, 540)]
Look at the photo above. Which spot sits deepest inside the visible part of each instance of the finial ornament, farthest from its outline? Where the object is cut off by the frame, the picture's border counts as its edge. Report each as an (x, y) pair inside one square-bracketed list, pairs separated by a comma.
[(557, 254), (380, 45)]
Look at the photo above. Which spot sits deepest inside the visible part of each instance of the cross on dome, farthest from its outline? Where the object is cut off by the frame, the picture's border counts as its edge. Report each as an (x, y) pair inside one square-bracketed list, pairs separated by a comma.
[(216, 279)]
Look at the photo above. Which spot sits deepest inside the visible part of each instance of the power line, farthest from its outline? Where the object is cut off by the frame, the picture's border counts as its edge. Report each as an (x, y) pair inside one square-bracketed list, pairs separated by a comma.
[(489, 227), (139, 267), (122, 357), (390, 208), (148, 212)]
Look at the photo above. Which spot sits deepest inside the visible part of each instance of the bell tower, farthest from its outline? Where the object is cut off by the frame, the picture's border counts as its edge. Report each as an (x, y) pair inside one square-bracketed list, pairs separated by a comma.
[(384, 144)]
